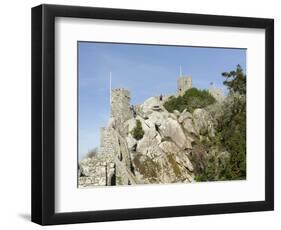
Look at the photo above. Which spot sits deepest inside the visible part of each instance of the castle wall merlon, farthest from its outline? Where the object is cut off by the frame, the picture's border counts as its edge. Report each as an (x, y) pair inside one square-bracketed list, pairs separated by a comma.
[(121, 92)]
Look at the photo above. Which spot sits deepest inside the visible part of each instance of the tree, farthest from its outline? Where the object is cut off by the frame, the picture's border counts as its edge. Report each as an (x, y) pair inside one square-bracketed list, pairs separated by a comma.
[(233, 124), (235, 80), (233, 136), (138, 132), (230, 133)]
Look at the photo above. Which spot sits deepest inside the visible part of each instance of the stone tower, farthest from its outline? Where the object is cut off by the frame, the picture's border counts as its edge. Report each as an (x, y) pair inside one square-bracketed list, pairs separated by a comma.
[(184, 83), (120, 105)]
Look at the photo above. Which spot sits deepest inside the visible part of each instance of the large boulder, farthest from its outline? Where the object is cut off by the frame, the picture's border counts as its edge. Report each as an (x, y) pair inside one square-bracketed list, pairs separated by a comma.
[(149, 106), (156, 119), (172, 129), (184, 115), (131, 142), (203, 123), (188, 126), (148, 145), (177, 113), (182, 159)]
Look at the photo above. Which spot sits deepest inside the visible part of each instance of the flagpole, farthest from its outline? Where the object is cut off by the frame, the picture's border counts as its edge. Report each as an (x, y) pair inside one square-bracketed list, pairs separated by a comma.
[(180, 71), (110, 88)]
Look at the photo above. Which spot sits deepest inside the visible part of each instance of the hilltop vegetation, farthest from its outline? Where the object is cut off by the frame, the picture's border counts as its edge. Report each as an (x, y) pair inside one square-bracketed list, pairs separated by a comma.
[(138, 132), (192, 99)]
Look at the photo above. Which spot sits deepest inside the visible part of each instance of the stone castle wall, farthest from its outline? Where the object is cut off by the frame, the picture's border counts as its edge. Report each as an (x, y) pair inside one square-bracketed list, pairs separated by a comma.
[(99, 170), (216, 93), (97, 174), (109, 143)]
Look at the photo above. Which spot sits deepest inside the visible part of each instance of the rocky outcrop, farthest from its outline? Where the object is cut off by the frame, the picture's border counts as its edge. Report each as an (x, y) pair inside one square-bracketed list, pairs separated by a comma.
[(162, 155), (184, 116), (203, 123), (150, 105), (171, 129), (149, 144)]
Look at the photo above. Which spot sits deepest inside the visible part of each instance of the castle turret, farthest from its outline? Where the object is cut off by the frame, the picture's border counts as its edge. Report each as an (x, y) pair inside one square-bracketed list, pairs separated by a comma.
[(184, 83), (120, 105)]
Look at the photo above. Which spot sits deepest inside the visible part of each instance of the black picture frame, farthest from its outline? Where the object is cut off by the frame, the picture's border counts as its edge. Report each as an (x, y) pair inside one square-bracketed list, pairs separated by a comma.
[(43, 114)]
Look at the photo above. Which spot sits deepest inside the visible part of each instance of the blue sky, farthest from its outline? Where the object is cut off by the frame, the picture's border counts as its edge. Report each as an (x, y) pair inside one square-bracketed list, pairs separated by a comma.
[(145, 70)]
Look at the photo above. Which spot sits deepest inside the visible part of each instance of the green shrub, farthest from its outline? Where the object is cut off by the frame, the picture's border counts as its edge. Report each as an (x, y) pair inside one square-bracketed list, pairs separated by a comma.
[(216, 167), (91, 153), (233, 137), (230, 137), (138, 132), (147, 167), (192, 99)]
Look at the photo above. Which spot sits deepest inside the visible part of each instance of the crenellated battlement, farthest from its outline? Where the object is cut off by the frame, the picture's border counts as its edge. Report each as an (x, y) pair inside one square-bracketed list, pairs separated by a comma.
[(120, 92)]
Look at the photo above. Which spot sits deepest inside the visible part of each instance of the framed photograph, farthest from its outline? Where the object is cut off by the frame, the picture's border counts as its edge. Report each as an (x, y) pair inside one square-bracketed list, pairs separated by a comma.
[(143, 114)]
